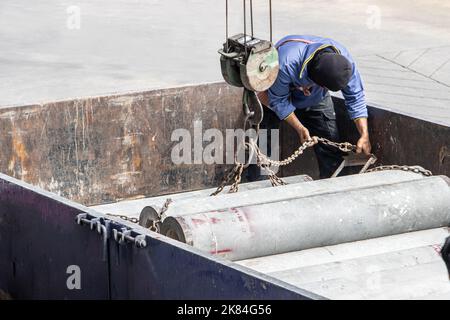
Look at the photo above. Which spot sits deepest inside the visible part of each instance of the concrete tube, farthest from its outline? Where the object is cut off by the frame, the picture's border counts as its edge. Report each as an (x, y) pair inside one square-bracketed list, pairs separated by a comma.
[(318, 220), (294, 190), (132, 208), (151, 211)]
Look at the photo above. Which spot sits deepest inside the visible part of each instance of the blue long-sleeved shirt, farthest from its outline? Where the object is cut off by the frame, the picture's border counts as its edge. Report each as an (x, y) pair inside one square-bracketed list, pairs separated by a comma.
[(285, 96)]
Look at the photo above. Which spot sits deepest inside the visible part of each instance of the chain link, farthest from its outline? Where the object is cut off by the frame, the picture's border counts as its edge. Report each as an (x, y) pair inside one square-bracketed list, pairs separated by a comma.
[(343, 146), (165, 207), (121, 216), (265, 160), (154, 226), (233, 175), (415, 169)]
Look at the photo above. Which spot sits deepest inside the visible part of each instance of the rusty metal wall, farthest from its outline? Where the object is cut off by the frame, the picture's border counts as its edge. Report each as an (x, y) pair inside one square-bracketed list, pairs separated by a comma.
[(396, 139), (401, 139), (98, 150)]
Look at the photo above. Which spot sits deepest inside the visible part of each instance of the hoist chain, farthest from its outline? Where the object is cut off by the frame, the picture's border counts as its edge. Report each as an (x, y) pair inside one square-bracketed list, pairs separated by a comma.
[(123, 217), (165, 207), (415, 169), (343, 146), (264, 162), (233, 175), (154, 226)]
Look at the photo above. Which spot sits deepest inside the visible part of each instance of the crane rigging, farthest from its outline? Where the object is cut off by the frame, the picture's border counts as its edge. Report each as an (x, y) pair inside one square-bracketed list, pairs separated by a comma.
[(247, 61)]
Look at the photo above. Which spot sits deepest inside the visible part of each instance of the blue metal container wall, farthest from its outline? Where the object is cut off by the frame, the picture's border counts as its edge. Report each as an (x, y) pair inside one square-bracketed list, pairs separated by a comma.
[(166, 269), (39, 239)]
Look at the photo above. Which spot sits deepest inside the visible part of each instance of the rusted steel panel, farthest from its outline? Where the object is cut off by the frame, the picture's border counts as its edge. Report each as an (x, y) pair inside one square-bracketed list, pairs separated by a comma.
[(98, 150), (396, 139), (104, 149), (401, 139)]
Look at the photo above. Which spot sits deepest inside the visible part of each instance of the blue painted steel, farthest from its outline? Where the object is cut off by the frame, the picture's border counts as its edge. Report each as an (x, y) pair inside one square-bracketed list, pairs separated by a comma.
[(39, 239), (167, 269)]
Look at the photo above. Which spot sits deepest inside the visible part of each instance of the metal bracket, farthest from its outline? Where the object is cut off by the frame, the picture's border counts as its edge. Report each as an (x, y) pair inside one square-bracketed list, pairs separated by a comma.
[(125, 235), (103, 227), (100, 225), (231, 55), (356, 159), (253, 109)]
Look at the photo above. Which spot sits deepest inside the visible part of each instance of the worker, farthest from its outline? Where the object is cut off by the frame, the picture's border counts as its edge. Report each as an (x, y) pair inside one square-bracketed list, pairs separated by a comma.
[(310, 67), (445, 252)]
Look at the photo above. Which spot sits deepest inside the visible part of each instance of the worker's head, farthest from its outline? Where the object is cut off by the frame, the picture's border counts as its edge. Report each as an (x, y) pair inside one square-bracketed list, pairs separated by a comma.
[(330, 70)]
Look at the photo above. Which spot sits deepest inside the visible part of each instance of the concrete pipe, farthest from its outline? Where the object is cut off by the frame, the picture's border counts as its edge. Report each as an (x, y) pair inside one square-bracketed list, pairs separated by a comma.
[(252, 196), (153, 206), (330, 218)]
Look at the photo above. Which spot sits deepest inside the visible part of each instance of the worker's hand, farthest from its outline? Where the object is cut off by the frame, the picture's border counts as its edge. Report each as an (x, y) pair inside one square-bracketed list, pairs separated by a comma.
[(363, 145), (303, 134), (306, 90)]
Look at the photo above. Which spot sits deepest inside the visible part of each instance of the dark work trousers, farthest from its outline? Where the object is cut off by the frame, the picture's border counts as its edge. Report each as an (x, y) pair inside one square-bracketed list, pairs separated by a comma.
[(320, 120)]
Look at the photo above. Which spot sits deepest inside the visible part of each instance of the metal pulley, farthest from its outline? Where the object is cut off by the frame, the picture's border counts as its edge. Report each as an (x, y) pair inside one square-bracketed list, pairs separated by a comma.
[(247, 61)]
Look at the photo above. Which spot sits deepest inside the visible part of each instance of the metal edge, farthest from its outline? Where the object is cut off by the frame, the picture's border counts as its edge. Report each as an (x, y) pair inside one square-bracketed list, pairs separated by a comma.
[(155, 236)]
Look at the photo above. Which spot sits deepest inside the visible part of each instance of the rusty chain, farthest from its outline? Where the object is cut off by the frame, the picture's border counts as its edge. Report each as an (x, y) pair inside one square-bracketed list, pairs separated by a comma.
[(233, 175), (123, 217), (164, 208), (263, 161), (343, 146), (154, 226), (415, 169)]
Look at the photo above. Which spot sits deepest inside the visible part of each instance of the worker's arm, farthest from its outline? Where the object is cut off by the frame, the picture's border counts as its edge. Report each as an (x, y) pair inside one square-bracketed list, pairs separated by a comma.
[(363, 144), (301, 130), (279, 97), (356, 105)]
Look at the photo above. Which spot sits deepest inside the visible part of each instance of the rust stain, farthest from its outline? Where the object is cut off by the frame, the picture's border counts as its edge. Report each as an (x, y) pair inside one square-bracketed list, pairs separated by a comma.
[(20, 159), (136, 155)]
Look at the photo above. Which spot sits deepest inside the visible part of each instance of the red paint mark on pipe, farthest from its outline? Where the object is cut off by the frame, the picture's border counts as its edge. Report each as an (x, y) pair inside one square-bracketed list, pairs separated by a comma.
[(214, 220), (220, 251), (437, 248), (198, 221)]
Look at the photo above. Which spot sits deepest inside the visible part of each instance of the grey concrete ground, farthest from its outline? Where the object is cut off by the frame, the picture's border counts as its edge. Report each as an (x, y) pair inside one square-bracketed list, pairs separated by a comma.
[(401, 46)]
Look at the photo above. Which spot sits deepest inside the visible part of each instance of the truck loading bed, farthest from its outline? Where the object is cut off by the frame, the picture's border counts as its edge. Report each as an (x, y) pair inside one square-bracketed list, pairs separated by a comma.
[(400, 266), (404, 266), (67, 164)]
